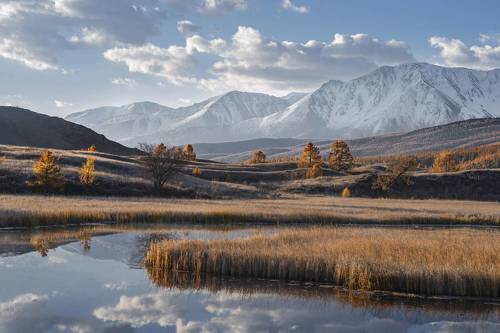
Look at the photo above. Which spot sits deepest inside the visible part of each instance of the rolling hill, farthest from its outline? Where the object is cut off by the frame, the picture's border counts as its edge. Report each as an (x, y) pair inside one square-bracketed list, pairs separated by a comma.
[(23, 127), (468, 133)]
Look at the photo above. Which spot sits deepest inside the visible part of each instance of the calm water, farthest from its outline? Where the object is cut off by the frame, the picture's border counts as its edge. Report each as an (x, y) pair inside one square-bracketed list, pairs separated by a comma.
[(76, 282)]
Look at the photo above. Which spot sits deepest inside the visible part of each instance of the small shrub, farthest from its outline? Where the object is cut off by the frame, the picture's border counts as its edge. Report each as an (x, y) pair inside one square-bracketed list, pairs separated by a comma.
[(258, 157), (197, 172), (346, 193)]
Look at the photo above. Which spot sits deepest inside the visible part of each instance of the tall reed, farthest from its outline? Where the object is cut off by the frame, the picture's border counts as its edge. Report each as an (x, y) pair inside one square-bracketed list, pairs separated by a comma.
[(427, 262)]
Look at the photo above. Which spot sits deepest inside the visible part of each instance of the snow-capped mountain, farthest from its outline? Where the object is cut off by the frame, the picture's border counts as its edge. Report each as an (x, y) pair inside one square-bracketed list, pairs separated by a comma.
[(390, 99), (217, 118)]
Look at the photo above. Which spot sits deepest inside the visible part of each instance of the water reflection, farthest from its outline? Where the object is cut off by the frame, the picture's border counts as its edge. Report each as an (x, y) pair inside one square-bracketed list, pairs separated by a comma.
[(94, 282)]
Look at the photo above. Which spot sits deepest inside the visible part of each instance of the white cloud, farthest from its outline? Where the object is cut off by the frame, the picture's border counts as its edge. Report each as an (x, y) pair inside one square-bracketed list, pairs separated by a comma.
[(90, 36), (124, 81), (15, 50), (34, 33), (139, 311), (251, 61), (288, 4), (222, 6), (187, 28), (61, 104), (454, 52)]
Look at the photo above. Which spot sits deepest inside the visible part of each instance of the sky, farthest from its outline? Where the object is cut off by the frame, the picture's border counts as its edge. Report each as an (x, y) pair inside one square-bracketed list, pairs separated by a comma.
[(64, 56)]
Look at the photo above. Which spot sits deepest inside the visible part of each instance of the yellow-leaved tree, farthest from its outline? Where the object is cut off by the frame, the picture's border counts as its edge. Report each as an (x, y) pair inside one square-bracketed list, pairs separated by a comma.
[(444, 162), (310, 156), (48, 173), (340, 158), (315, 171), (189, 154), (87, 173), (258, 157), (92, 148)]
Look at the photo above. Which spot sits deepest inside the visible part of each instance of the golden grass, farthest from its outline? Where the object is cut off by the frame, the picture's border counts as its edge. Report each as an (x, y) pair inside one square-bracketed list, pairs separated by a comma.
[(428, 262), (27, 211)]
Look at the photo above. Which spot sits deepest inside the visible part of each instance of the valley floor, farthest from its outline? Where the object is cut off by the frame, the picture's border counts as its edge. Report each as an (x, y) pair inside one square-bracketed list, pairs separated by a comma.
[(35, 210)]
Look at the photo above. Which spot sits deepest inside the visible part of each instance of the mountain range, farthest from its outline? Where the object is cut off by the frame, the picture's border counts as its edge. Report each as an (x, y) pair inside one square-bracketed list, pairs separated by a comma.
[(389, 100)]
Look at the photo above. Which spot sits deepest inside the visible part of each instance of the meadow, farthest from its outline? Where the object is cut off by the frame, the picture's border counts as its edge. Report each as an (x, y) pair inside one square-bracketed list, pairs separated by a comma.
[(38, 210), (451, 262)]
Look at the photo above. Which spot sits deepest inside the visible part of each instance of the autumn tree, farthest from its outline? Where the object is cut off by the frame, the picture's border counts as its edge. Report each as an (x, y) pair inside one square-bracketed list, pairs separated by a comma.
[(444, 162), (160, 163), (189, 154), (310, 156), (87, 173), (340, 158), (48, 173), (314, 171), (92, 148), (397, 172), (258, 157)]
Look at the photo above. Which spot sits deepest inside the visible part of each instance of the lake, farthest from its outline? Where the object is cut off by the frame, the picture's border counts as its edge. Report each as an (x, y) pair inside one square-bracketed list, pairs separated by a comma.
[(76, 280)]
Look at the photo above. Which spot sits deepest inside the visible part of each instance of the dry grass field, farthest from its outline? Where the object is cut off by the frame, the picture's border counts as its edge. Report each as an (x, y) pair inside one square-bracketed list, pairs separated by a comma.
[(455, 262), (33, 210)]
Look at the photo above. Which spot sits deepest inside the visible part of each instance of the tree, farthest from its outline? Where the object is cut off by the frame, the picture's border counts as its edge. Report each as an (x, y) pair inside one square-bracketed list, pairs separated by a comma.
[(346, 193), (340, 158), (314, 171), (310, 156), (189, 154), (160, 163), (397, 172), (92, 148), (258, 157), (87, 173), (48, 174), (444, 162)]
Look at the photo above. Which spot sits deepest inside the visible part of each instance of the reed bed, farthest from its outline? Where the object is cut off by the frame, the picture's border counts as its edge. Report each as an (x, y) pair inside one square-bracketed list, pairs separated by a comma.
[(461, 262), (32, 210)]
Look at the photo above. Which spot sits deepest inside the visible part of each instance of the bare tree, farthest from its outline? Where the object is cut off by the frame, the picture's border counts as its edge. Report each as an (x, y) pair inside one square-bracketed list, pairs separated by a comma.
[(397, 172), (160, 162)]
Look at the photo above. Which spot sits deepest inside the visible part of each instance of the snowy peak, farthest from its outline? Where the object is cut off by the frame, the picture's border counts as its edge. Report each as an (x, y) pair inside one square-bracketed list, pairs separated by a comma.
[(390, 99)]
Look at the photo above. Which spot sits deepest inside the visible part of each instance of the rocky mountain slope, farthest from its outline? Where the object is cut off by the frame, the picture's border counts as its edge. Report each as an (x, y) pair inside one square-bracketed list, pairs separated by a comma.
[(23, 127), (388, 100)]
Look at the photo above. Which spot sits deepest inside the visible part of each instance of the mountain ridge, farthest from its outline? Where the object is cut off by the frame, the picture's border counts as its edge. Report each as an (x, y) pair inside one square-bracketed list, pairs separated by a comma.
[(388, 100), (22, 127)]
